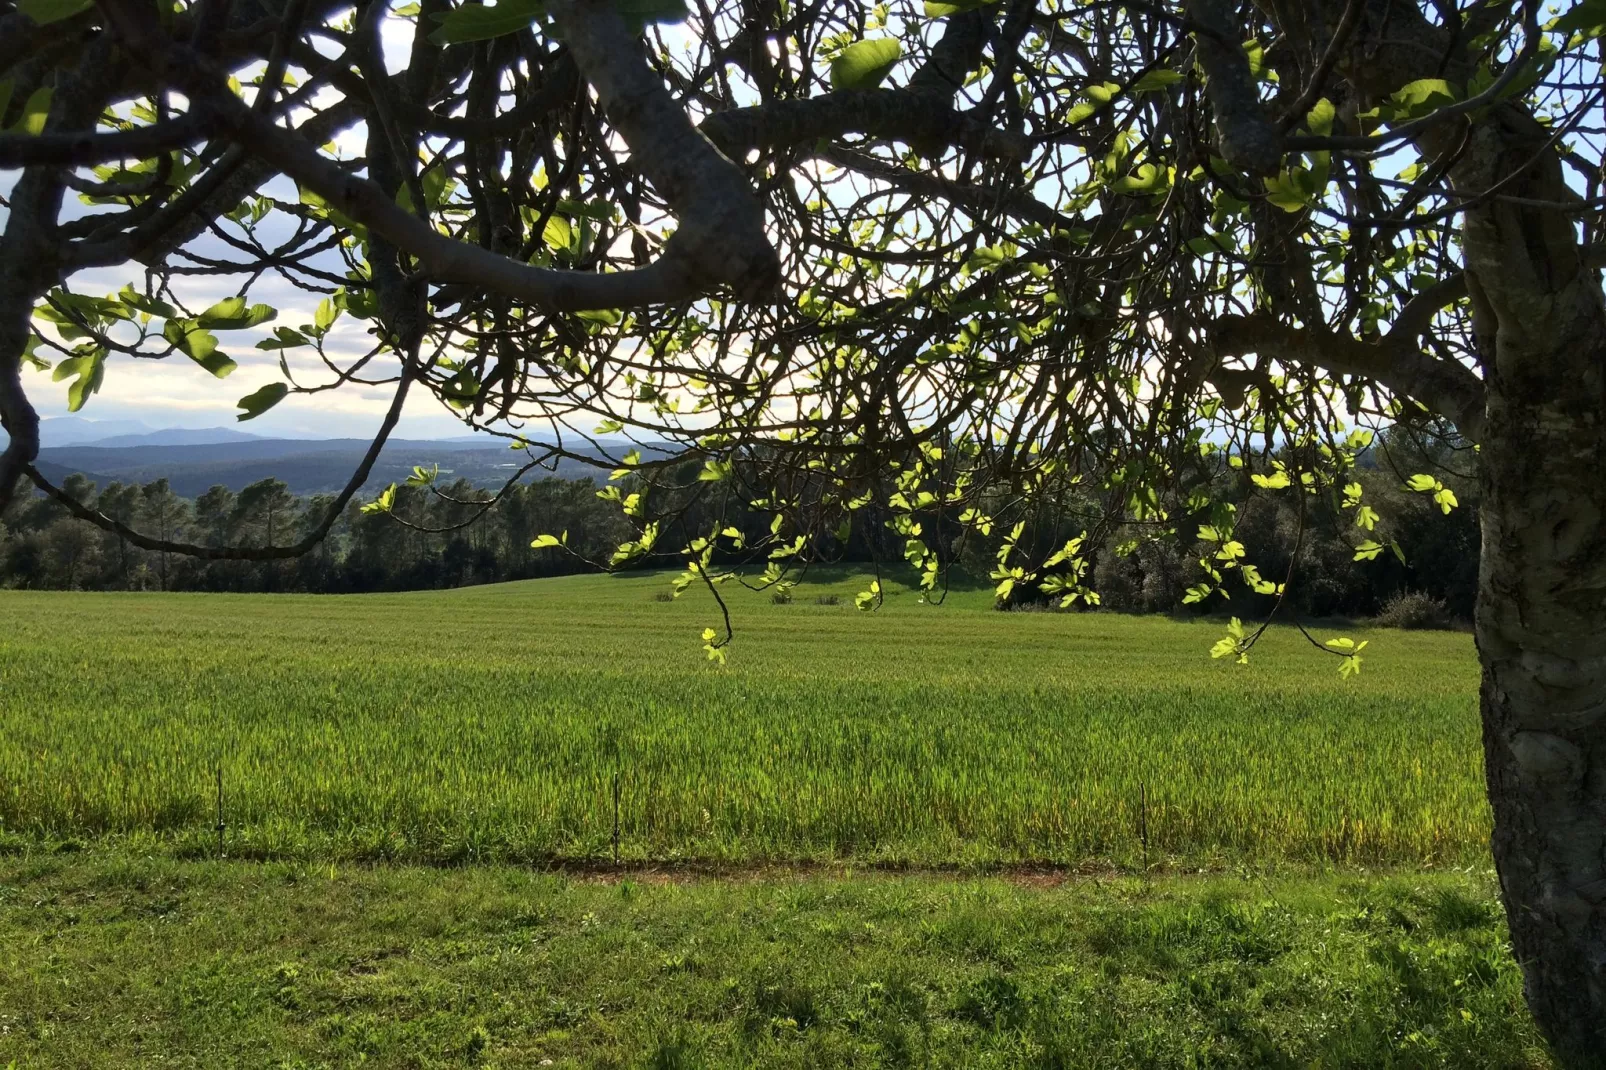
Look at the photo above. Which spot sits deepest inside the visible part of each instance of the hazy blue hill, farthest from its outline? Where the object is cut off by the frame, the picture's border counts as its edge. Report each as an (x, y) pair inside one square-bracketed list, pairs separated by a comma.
[(177, 436), (57, 474), (307, 466), (76, 430)]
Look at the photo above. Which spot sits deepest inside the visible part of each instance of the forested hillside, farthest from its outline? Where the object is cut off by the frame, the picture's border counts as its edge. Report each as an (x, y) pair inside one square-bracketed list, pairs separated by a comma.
[(437, 537)]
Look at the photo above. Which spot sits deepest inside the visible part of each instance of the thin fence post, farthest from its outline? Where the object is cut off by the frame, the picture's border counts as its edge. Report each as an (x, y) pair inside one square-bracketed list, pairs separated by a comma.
[(613, 745), (1143, 823), (616, 815), (218, 770)]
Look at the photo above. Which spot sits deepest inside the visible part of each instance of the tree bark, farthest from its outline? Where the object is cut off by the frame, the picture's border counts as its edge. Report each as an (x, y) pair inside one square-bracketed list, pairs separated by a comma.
[(1540, 318), (1541, 633)]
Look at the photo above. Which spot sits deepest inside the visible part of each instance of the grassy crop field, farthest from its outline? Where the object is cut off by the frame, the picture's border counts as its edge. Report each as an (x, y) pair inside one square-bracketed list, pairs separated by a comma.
[(492, 724), (1193, 864)]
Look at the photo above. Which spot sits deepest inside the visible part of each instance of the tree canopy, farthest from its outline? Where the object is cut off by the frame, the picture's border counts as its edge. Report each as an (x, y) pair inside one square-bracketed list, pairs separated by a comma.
[(911, 252)]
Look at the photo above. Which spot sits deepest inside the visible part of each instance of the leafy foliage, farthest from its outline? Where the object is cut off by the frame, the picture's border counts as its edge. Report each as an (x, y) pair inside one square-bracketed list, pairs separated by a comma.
[(865, 64)]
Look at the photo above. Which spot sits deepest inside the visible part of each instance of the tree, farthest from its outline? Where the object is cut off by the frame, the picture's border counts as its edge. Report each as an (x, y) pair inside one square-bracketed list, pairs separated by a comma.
[(163, 514), (214, 515), (74, 547), (120, 501), (928, 270), (263, 510)]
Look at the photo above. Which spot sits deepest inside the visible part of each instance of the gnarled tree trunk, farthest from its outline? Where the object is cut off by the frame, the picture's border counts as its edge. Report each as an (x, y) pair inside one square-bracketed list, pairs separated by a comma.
[(1541, 620), (1542, 640), (1541, 632)]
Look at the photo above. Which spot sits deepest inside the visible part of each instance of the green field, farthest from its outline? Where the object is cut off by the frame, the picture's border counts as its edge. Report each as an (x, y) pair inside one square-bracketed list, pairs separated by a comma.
[(490, 724), (111, 961)]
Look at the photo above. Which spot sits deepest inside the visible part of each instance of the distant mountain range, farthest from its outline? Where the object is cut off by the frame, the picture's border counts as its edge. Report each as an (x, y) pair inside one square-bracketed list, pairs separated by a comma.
[(76, 431), (195, 459), (315, 466), (172, 436)]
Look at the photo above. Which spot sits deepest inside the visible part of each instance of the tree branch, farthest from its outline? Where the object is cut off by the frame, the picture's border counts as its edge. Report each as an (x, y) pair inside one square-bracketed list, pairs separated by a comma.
[(720, 239), (1447, 388), (921, 113), (926, 122), (1015, 202), (87, 148), (1245, 135), (721, 234), (1417, 315)]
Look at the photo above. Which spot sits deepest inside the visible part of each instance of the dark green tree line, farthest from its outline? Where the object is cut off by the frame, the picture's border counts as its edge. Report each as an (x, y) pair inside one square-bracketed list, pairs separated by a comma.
[(42, 546)]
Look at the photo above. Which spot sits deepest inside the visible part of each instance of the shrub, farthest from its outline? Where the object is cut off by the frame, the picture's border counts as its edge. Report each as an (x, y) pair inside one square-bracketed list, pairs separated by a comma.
[(781, 596), (1029, 607), (1414, 610)]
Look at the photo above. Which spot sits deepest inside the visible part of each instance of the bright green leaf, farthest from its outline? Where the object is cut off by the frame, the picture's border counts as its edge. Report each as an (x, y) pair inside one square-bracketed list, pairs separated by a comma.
[(559, 235), (232, 314), (260, 401), (30, 354), (863, 64), (199, 345), (1320, 118), (1286, 192), (284, 338), (1420, 97), (478, 22), (1368, 551), (34, 113), (327, 312), (136, 300), (44, 12), (1587, 17), (384, 503), (1157, 79), (87, 370)]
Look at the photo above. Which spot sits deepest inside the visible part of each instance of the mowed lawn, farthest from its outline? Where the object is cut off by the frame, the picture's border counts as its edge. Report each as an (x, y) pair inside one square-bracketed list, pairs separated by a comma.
[(114, 960), (492, 724)]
